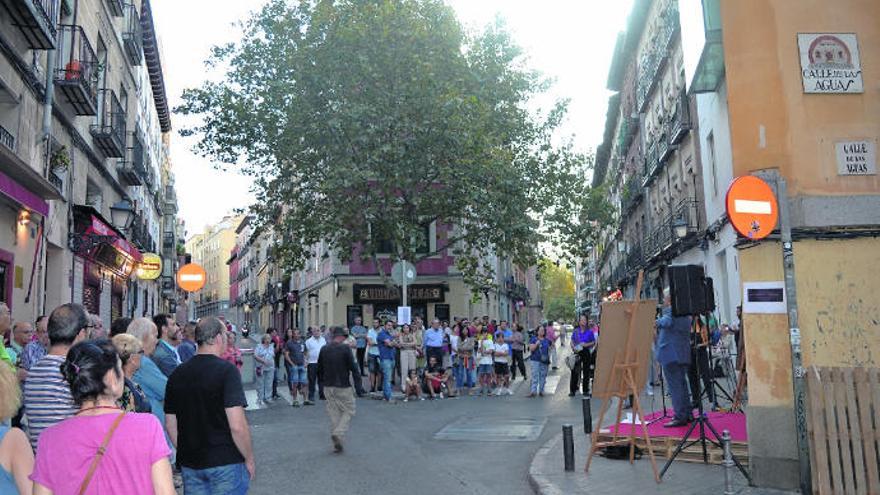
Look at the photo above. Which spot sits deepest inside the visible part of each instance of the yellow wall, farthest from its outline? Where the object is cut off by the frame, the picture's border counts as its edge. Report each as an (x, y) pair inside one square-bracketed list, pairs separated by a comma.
[(839, 301), (765, 90)]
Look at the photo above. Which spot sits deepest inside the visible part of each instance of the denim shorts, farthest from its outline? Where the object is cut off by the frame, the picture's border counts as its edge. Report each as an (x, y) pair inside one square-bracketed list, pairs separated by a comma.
[(297, 374), (485, 369), (373, 363)]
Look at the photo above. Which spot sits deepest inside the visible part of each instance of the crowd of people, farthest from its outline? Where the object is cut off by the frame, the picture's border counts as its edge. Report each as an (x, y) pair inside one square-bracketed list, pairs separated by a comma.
[(142, 408), (470, 357)]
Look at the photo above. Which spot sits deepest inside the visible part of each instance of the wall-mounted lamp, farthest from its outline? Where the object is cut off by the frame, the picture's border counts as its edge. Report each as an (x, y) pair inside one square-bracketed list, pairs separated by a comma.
[(680, 228)]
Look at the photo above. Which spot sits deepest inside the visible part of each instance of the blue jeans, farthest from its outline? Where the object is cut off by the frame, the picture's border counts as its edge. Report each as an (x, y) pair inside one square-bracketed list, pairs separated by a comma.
[(675, 375), (539, 376), (464, 377), (387, 372), (264, 383), (231, 479)]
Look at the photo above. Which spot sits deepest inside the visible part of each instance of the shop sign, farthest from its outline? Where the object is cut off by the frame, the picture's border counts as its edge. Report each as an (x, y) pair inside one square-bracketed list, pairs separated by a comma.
[(856, 157), (830, 63), (377, 293), (150, 267)]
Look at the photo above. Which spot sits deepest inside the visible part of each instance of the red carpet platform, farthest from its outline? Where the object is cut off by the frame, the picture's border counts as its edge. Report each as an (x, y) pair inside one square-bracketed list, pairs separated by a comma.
[(664, 440)]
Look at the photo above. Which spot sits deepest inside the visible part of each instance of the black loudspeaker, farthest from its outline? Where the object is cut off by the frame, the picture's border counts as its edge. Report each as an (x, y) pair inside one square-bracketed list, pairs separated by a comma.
[(710, 294), (687, 288)]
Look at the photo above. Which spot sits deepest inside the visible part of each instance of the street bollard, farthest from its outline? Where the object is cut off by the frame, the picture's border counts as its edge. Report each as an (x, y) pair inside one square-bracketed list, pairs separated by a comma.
[(728, 463), (588, 415), (568, 446)]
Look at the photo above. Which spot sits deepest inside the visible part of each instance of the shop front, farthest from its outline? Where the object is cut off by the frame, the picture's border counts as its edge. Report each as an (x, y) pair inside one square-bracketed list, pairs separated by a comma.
[(382, 301), (103, 264)]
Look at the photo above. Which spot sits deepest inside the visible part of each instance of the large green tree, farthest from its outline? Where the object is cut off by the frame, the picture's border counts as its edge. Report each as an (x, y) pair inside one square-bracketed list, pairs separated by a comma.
[(363, 122), (557, 290)]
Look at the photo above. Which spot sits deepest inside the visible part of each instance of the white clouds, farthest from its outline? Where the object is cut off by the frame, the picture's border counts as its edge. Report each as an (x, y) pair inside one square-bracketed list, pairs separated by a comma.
[(569, 40)]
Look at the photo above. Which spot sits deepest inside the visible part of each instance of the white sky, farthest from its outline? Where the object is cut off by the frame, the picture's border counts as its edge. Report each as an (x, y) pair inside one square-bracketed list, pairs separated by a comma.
[(569, 40)]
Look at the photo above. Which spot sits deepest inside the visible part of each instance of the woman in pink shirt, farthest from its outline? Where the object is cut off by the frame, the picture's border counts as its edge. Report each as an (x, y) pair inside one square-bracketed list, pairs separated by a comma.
[(135, 459)]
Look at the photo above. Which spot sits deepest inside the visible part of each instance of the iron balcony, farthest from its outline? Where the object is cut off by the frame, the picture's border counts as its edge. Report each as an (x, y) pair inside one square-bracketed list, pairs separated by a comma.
[(36, 21), (76, 73), (108, 131)]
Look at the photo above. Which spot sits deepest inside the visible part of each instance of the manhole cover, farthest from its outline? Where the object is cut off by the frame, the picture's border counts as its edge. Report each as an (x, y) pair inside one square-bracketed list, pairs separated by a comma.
[(492, 430)]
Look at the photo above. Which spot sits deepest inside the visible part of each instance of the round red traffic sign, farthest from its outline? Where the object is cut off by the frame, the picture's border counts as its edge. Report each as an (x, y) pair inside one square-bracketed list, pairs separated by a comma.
[(191, 277), (752, 207)]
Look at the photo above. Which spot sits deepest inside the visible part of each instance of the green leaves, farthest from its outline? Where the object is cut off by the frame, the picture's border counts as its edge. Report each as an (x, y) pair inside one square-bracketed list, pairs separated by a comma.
[(362, 122)]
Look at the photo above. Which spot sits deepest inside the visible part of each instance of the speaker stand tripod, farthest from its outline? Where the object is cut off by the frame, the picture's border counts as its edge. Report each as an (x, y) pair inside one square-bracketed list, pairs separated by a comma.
[(704, 424)]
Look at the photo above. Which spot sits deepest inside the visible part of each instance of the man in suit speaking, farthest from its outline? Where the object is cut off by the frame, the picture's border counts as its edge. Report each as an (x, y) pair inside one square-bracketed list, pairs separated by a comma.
[(674, 354)]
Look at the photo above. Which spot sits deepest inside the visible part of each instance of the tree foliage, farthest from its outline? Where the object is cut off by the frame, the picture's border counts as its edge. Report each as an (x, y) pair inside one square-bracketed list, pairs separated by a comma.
[(557, 290), (363, 122)]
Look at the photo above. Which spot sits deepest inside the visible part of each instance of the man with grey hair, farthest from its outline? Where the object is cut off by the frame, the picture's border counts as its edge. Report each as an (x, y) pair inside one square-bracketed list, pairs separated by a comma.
[(149, 376), (205, 417), (674, 354), (433, 339), (47, 398)]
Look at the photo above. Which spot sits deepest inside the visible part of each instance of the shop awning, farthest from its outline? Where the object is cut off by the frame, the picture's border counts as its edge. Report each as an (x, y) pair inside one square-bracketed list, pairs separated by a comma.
[(24, 185), (99, 241)]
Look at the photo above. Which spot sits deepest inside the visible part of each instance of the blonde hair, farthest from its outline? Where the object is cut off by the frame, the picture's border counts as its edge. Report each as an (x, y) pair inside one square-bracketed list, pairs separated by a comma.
[(10, 392), (126, 345)]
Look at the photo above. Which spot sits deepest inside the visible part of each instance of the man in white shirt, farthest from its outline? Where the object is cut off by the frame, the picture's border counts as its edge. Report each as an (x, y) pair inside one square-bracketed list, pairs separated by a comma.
[(501, 355), (313, 349), (373, 355)]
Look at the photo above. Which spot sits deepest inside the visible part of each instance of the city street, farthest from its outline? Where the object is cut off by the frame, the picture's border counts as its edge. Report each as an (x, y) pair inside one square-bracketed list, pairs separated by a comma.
[(391, 447)]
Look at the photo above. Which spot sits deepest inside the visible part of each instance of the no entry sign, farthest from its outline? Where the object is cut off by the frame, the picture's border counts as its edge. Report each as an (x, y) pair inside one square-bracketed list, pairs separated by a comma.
[(752, 207), (191, 277)]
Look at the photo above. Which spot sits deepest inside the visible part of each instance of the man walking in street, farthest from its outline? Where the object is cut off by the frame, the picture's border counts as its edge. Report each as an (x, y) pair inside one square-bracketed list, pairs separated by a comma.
[(314, 344), (674, 354), (335, 364), (165, 355), (204, 416)]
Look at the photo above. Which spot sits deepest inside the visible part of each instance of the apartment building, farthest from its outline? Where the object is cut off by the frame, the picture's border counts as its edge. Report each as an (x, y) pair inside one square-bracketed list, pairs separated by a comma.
[(82, 117)]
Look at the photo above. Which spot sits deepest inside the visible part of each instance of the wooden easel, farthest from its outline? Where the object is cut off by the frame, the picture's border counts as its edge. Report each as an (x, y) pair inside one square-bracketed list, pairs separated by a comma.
[(622, 374)]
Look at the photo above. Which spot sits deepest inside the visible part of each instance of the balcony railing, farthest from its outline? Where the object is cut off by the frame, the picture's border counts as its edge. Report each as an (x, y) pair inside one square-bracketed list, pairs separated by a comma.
[(632, 193), (651, 164), (7, 139), (109, 129), (36, 21), (132, 38), (634, 260), (663, 236), (655, 59), (116, 7), (76, 74), (664, 149), (680, 124), (126, 170)]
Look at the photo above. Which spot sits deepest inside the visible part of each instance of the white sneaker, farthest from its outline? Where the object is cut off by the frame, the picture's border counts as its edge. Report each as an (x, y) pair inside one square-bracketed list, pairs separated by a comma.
[(406, 399), (509, 392), (441, 395)]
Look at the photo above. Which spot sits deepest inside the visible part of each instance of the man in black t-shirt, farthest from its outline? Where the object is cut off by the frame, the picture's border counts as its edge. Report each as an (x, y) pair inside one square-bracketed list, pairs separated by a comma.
[(204, 416)]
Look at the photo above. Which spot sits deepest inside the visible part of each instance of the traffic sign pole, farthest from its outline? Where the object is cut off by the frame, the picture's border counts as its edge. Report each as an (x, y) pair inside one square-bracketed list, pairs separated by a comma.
[(797, 366), (404, 283)]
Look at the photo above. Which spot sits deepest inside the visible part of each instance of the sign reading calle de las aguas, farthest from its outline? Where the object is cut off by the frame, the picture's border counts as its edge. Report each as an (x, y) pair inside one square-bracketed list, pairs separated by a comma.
[(857, 157), (830, 63)]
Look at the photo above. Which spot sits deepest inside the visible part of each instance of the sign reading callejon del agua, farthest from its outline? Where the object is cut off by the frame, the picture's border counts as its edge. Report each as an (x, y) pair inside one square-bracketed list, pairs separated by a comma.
[(830, 63), (857, 157)]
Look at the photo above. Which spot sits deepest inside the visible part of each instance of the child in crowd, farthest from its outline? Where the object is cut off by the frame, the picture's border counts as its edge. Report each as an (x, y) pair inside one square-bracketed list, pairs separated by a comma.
[(413, 386)]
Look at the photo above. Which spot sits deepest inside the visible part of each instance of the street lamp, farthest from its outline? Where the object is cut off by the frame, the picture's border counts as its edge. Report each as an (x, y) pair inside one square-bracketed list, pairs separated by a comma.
[(122, 214), (680, 228)]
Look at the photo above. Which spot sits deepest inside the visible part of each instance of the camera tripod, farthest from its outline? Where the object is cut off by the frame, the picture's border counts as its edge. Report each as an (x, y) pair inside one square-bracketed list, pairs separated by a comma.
[(702, 422)]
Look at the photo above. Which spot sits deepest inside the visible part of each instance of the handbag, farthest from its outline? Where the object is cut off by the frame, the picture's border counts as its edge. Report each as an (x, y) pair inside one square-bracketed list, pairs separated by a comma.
[(101, 450), (544, 354)]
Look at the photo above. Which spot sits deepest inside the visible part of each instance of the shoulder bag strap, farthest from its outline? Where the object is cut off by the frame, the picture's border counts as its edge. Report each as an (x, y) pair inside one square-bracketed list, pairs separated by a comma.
[(100, 454)]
